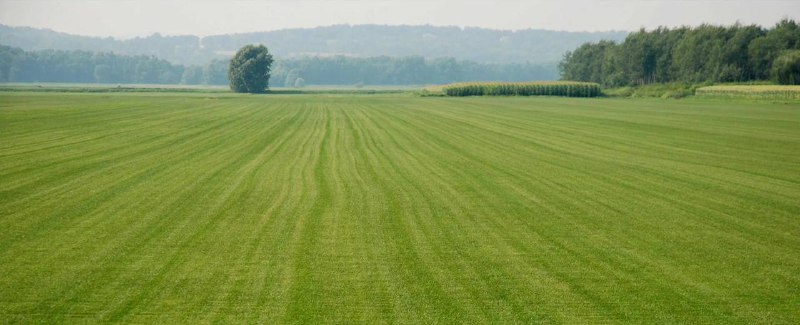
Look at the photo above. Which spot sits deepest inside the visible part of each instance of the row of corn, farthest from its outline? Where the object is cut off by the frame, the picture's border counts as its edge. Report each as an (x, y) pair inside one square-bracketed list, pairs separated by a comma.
[(557, 88), (751, 91)]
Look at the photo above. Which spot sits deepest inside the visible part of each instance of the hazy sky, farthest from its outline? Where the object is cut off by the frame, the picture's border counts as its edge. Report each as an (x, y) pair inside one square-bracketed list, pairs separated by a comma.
[(128, 18)]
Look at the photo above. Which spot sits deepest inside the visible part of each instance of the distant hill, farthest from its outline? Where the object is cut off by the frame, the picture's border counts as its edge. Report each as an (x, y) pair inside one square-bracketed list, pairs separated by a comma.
[(474, 44)]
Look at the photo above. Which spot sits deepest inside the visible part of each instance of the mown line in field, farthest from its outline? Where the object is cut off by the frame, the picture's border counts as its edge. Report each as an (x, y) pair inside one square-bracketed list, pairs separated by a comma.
[(109, 167), (225, 199), (463, 213), (397, 197), (432, 123), (222, 167), (579, 149), (118, 152), (150, 227)]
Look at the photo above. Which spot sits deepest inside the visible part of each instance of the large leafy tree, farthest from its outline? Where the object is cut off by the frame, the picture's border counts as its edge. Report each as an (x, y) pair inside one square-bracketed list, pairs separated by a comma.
[(249, 70)]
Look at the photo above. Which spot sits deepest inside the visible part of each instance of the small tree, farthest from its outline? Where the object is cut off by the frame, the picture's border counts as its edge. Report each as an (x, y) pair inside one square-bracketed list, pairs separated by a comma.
[(291, 78), (248, 71), (786, 68), (299, 83)]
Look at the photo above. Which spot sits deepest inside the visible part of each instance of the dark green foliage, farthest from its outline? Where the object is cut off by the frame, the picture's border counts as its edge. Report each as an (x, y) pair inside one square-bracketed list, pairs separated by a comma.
[(761, 52), (563, 89), (248, 71), (786, 68), (84, 67), (597, 58), (705, 53)]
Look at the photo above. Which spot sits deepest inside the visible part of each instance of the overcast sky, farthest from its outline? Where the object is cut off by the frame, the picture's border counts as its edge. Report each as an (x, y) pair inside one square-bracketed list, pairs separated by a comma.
[(128, 18)]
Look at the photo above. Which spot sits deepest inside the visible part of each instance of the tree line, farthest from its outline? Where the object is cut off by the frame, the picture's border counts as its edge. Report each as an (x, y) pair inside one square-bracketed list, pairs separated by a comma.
[(412, 70), (17, 65), (706, 53)]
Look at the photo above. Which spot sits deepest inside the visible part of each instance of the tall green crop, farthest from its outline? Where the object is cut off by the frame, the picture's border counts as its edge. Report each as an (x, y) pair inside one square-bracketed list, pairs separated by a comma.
[(557, 88)]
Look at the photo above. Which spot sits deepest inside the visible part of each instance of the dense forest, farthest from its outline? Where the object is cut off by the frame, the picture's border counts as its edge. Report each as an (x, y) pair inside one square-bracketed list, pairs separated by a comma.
[(467, 44), (705, 53), (17, 65)]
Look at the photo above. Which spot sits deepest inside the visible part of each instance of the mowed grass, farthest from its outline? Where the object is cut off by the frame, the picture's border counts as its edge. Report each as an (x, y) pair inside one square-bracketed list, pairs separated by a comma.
[(185, 208)]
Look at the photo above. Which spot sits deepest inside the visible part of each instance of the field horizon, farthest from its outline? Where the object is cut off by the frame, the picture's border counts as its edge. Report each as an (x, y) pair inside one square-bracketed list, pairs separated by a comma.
[(393, 208)]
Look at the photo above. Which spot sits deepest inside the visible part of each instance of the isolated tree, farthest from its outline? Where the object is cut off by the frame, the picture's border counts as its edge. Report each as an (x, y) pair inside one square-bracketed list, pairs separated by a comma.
[(249, 70)]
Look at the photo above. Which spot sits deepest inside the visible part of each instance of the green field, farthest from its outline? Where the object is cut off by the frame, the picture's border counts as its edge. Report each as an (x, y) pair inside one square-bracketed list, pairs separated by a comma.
[(184, 208)]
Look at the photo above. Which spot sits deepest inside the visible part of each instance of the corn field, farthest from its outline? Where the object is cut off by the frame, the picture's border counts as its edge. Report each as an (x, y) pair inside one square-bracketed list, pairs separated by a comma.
[(751, 91), (557, 88)]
